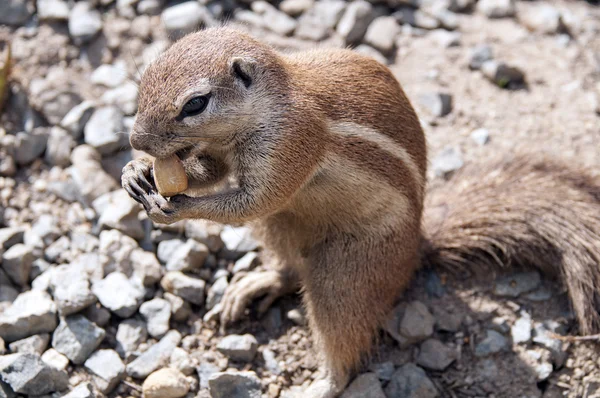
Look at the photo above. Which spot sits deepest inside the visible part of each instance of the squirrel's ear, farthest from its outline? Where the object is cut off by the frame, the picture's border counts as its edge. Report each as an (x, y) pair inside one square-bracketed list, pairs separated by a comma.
[(243, 69)]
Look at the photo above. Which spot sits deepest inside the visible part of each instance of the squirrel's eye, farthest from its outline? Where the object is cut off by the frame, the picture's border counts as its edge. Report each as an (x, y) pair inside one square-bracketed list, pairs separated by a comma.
[(194, 107)]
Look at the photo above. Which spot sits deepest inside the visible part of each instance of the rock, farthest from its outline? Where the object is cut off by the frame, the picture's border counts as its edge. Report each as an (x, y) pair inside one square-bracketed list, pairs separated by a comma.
[(87, 173), (52, 10), (246, 263), (216, 292), (8, 168), (435, 355), (517, 284), (503, 75), (416, 18), (110, 75), (355, 21), (383, 370), (168, 248), (447, 162), (165, 383), (410, 381), (234, 385), (76, 119), (437, 104), (10, 236), (77, 338), (120, 212), (36, 344), (180, 309), (181, 361), (183, 18), (118, 294), (479, 55), (156, 356), (382, 33), (130, 334), (14, 12), (43, 232), (521, 330), (107, 368), (365, 385), (445, 39), (497, 8), (417, 322), (59, 147), (186, 287), (273, 19), (71, 289), (125, 97), (480, 136), (119, 247), (27, 374), (540, 294), (205, 231), (295, 7), (146, 268), (446, 321), (187, 257), (17, 261), (238, 239), (30, 146), (238, 347), (55, 359), (84, 23), (271, 363), (543, 18), (104, 130), (205, 371), (494, 342), (31, 313), (83, 390), (157, 313), (316, 23), (542, 337)]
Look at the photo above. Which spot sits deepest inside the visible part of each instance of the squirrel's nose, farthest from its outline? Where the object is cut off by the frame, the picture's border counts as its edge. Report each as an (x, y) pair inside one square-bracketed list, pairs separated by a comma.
[(138, 140)]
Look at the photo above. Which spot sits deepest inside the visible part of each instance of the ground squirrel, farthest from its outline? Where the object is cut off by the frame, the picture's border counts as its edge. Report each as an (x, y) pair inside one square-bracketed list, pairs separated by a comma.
[(330, 163)]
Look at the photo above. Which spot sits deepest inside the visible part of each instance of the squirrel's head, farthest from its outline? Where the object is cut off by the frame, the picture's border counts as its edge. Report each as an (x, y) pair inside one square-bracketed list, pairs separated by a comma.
[(210, 87)]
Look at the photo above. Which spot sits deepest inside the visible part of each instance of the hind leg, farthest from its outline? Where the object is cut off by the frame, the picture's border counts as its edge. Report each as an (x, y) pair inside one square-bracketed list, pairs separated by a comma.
[(350, 287)]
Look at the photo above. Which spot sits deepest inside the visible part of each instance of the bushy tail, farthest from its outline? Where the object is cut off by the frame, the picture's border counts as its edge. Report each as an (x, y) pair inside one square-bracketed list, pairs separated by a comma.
[(521, 211)]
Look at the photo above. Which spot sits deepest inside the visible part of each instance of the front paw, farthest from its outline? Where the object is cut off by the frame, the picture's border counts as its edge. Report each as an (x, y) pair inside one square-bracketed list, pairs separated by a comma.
[(160, 210), (137, 180)]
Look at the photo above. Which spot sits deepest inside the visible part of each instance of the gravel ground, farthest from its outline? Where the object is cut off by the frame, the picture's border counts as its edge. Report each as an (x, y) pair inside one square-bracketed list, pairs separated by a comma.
[(95, 300)]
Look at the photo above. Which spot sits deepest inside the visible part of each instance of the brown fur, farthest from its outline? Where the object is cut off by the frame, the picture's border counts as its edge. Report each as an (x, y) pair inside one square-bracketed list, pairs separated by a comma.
[(330, 161)]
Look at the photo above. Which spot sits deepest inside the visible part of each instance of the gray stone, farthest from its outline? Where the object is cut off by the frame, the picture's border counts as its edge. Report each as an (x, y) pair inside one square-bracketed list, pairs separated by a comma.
[(182, 361), (445, 39), (77, 338), (55, 359), (31, 313), (14, 12), (183, 18), (155, 357), (238, 347), (365, 385), (480, 136), (110, 75), (10, 236), (382, 33), (497, 8), (355, 21), (28, 374), (479, 55), (125, 97), (493, 342), (104, 130), (271, 363), (8, 294), (157, 313), (205, 231), (383, 370), (83, 390), (216, 292), (187, 257), (6, 391), (71, 289), (320, 19), (234, 385), (130, 334), (149, 7), (410, 381), (43, 232), (273, 19), (35, 344), (521, 330), (87, 173), (503, 75), (84, 23), (165, 383), (543, 371), (29, 146), (54, 95), (500, 325), (544, 18), (180, 309), (540, 294), (417, 322), (120, 212), (146, 268), (295, 7), (107, 368), (120, 295), (447, 162), (246, 263), (57, 252), (205, 371), (417, 18), (17, 261), (238, 239), (437, 104), (76, 119), (186, 287), (542, 336), (168, 248), (52, 10), (446, 321), (8, 168), (517, 284), (435, 355)]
